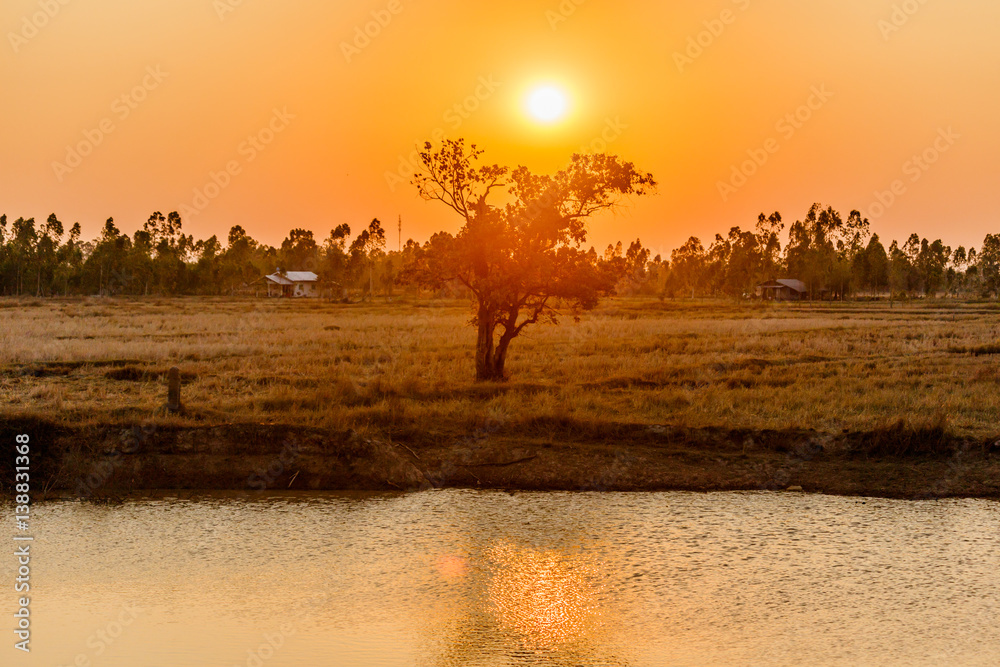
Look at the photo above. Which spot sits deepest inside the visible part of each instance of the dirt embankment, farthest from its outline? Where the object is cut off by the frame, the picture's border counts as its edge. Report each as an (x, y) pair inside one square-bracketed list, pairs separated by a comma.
[(111, 461)]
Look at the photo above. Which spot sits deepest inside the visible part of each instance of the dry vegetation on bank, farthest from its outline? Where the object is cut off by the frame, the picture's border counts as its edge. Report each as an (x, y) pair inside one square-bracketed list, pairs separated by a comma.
[(404, 368)]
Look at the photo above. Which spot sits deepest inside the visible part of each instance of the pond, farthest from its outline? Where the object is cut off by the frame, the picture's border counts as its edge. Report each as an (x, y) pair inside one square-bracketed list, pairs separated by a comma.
[(453, 577)]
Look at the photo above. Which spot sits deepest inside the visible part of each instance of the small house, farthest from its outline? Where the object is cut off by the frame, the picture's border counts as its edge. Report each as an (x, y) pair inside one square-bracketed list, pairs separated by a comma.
[(292, 283), (782, 290)]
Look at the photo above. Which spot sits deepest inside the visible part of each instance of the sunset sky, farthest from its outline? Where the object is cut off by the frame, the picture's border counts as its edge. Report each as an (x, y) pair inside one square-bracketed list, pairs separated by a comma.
[(686, 90)]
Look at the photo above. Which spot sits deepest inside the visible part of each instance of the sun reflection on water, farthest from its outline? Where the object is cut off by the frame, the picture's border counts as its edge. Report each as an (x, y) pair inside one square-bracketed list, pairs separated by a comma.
[(548, 598)]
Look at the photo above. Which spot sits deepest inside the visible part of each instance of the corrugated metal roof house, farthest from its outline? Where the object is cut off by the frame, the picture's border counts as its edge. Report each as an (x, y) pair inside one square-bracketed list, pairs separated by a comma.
[(292, 283), (782, 290)]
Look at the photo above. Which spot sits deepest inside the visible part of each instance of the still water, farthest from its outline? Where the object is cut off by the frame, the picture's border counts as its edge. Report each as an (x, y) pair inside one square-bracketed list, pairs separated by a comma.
[(449, 578)]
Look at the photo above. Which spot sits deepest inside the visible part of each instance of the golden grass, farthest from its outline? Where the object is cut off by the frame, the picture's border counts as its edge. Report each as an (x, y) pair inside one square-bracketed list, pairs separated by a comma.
[(406, 365)]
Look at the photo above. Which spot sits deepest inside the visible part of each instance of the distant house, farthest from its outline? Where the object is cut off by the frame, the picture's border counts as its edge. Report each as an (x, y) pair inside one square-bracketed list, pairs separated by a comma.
[(782, 290), (292, 283)]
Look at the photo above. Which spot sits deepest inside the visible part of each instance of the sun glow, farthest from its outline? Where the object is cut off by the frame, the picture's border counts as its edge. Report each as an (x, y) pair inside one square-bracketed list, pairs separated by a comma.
[(547, 104)]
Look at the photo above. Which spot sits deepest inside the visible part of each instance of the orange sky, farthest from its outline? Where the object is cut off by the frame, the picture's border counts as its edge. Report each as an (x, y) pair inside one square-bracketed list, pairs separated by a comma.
[(222, 68)]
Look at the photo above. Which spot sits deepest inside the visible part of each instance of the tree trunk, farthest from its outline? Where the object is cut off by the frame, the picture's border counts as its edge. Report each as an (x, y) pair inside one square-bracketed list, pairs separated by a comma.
[(484, 353), (500, 356), (486, 359), (491, 358)]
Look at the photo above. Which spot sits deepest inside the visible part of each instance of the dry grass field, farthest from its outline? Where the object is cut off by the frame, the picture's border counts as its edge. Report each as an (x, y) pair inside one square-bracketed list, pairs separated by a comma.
[(404, 366), (637, 395)]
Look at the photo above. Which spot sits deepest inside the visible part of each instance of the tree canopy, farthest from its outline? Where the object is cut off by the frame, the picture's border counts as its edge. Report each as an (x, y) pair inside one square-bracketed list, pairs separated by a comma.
[(519, 250)]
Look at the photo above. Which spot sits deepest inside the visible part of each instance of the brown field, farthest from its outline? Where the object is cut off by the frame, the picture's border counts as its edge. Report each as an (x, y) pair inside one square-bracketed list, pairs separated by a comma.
[(829, 367), (401, 372)]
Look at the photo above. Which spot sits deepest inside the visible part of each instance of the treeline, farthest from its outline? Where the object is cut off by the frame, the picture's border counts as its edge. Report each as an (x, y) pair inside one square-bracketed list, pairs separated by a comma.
[(159, 259), (835, 257)]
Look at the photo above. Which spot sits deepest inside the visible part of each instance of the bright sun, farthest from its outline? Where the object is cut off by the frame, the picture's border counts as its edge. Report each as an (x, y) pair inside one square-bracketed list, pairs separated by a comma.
[(547, 104)]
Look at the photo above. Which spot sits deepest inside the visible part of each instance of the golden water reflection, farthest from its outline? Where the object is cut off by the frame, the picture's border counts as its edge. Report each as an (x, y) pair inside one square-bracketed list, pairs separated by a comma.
[(506, 602), (545, 597)]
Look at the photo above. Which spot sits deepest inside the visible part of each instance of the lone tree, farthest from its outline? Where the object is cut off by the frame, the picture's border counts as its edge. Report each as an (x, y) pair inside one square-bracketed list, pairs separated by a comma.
[(521, 255)]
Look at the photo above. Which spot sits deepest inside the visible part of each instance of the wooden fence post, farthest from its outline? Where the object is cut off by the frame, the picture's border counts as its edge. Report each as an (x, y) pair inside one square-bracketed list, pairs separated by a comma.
[(174, 390)]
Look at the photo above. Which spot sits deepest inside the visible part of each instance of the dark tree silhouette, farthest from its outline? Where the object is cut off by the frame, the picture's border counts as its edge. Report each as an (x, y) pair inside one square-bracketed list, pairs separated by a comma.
[(519, 257)]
